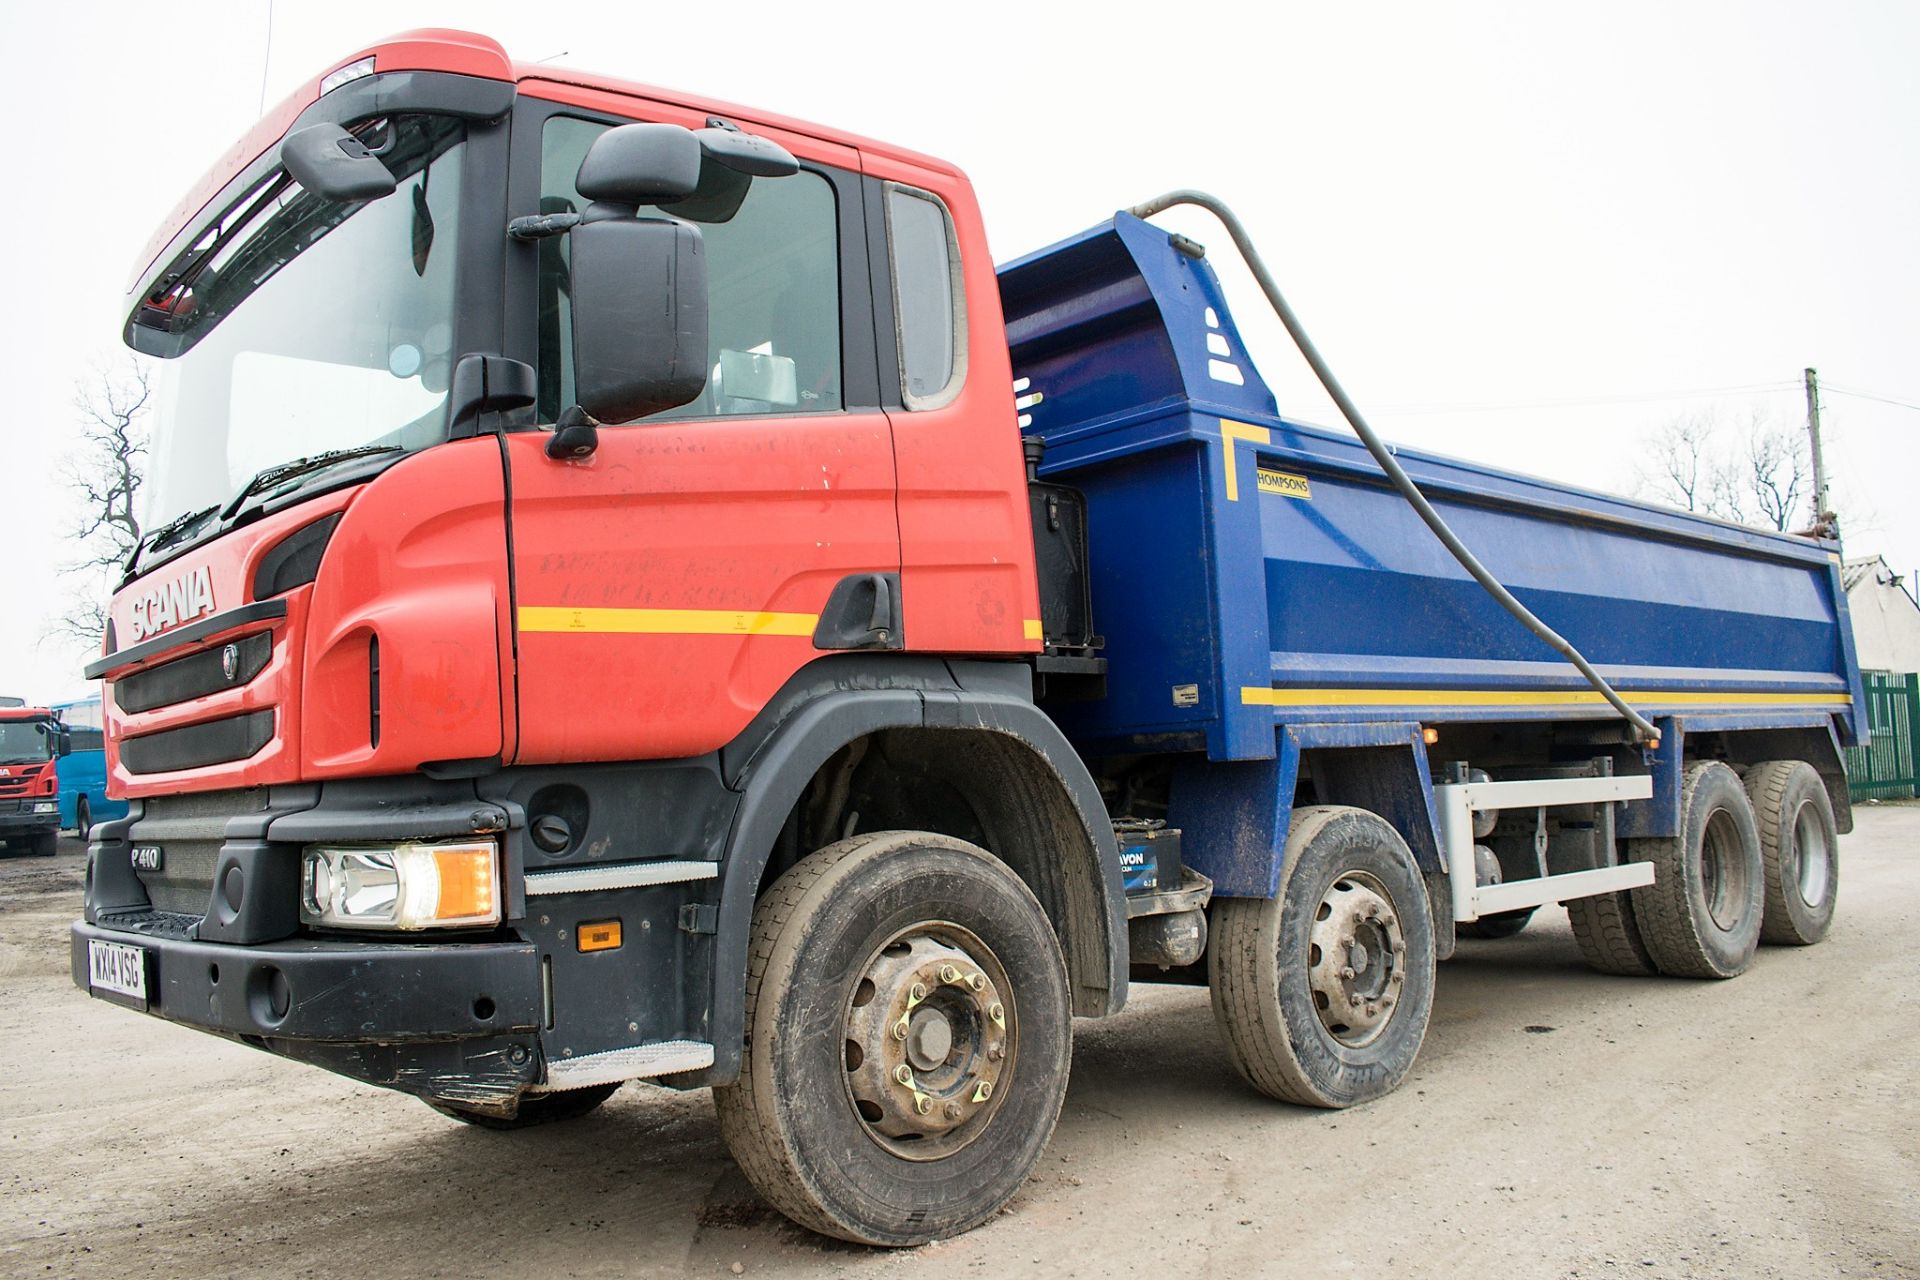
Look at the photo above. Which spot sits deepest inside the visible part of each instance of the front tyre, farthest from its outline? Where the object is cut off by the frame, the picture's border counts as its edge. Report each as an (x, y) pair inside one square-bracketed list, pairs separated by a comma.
[(908, 1039), (1323, 991)]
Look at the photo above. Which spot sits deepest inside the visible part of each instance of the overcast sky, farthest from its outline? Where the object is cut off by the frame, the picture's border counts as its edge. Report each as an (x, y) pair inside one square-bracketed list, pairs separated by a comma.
[(1580, 221)]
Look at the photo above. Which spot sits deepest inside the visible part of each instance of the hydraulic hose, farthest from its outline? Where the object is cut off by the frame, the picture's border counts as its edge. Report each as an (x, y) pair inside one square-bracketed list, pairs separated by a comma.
[(1384, 456)]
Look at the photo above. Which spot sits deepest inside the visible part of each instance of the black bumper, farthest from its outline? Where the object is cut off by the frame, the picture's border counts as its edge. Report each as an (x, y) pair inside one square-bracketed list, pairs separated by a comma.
[(454, 1021), (25, 824)]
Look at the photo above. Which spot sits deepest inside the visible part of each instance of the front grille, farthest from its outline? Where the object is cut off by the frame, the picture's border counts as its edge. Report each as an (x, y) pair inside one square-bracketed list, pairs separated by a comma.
[(150, 924), (194, 676), (189, 829), (194, 746)]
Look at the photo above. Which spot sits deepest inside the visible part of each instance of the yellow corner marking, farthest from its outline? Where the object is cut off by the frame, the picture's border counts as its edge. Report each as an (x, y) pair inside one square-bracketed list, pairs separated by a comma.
[(1230, 432), (1257, 697), (1032, 629), (666, 622), (1286, 484)]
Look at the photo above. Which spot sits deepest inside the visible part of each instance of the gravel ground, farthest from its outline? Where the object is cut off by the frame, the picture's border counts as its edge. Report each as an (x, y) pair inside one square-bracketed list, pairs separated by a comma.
[(1559, 1123)]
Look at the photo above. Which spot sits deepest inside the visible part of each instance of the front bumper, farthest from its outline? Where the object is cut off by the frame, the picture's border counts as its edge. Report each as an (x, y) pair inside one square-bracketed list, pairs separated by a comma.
[(454, 1021), (16, 824)]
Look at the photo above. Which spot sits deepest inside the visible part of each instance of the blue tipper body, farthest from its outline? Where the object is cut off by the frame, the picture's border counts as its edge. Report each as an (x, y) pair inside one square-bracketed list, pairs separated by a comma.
[(1263, 591)]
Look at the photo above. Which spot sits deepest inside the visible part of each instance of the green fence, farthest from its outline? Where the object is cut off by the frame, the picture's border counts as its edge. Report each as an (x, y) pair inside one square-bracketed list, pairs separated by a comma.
[(1888, 767)]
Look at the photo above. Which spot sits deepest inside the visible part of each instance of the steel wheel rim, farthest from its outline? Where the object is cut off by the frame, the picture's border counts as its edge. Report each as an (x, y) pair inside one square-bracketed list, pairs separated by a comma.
[(1723, 872), (1813, 874), (1356, 959), (929, 1037)]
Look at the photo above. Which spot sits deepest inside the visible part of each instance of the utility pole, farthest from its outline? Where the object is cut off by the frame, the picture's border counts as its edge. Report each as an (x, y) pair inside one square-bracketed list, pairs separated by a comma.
[(1824, 520)]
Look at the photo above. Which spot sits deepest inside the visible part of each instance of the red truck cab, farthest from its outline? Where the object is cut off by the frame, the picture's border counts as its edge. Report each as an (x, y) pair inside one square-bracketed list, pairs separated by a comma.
[(31, 744)]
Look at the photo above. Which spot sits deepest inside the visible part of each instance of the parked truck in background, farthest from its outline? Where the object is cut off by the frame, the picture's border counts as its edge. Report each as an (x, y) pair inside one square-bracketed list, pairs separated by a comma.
[(83, 770), (32, 742), (634, 594)]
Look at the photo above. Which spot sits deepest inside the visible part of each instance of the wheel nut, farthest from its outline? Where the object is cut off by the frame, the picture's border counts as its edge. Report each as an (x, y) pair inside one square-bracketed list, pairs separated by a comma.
[(1347, 972), (1399, 948), (1354, 1001), (949, 974), (951, 1111), (1373, 1011), (1386, 1002), (1386, 922), (995, 1052), (904, 1074), (983, 1091), (998, 1014), (917, 992), (900, 1029), (978, 981), (922, 1103)]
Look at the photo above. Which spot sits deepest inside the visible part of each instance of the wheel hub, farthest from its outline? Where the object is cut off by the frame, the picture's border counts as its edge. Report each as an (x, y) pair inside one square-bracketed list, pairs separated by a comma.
[(1356, 959), (929, 1035)]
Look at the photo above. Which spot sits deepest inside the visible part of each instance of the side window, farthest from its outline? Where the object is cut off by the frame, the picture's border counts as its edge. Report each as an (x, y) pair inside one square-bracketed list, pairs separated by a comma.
[(773, 272), (88, 740), (929, 305)]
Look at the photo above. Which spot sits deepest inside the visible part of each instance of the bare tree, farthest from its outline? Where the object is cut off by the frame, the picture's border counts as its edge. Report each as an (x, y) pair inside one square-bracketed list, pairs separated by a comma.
[(1754, 473), (104, 472)]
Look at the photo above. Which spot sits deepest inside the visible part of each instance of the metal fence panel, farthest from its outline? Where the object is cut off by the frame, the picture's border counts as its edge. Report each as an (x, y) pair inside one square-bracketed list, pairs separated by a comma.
[(1888, 766)]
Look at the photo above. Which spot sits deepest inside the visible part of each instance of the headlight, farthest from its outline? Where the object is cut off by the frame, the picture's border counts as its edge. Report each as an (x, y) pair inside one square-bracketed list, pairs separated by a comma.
[(46, 806), (407, 886)]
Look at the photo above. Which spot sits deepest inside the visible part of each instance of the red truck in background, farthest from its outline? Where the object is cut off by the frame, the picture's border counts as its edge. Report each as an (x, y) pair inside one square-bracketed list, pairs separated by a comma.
[(32, 740)]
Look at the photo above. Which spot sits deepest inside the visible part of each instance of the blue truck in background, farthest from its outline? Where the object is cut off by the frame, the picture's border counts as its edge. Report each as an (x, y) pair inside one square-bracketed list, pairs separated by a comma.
[(83, 770)]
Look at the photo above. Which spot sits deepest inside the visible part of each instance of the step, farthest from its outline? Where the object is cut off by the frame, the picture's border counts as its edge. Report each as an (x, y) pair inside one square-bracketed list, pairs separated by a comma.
[(635, 1062)]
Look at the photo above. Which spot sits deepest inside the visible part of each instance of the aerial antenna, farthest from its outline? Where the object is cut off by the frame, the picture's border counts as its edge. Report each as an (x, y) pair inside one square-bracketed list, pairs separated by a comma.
[(266, 60)]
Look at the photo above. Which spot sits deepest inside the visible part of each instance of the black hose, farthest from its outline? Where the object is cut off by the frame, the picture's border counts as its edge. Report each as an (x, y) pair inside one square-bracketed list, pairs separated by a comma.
[(1384, 456)]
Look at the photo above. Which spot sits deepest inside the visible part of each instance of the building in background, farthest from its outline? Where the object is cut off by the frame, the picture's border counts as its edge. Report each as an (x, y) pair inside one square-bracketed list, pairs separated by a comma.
[(1886, 636)]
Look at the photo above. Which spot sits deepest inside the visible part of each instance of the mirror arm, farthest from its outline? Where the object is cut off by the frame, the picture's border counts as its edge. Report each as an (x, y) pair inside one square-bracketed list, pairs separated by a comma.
[(542, 226), (576, 435)]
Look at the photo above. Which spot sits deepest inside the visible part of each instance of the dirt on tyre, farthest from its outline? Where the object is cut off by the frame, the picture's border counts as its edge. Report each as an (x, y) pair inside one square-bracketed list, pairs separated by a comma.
[(1701, 916), (535, 1108), (909, 1032), (1609, 938), (1324, 990), (1799, 851)]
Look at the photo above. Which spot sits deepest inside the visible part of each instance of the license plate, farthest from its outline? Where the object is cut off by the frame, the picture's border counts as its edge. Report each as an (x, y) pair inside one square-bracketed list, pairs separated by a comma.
[(117, 970)]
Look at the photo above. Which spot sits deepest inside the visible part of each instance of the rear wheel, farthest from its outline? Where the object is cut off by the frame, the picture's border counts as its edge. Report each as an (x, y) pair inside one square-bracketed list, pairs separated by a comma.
[(1799, 851), (908, 1038), (1501, 924), (82, 817), (1700, 918), (535, 1108), (1323, 991), (1609, 939)]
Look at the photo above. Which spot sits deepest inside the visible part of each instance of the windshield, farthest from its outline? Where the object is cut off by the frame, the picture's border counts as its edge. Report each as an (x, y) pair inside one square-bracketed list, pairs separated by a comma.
[(24, 741), (302, 325)]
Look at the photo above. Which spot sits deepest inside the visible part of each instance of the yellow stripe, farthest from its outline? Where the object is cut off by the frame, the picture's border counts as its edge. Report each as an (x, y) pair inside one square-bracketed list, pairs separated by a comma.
[(1033, 629), (666, 622), (1230, 432), (1256, 697)]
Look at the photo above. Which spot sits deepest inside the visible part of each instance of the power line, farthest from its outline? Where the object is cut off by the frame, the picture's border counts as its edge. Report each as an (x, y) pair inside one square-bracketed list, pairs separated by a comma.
[(1627, 397), (1868, 395)]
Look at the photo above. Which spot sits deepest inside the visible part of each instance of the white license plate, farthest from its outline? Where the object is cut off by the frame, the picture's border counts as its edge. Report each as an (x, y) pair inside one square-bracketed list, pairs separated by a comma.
[(116, 967)]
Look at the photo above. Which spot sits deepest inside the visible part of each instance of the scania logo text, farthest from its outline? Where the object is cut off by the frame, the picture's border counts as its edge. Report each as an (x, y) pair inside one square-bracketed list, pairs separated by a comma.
[(169, 603)]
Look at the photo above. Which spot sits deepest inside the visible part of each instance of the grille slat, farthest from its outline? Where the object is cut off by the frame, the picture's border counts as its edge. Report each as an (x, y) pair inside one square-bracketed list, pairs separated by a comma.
[(189, 828)]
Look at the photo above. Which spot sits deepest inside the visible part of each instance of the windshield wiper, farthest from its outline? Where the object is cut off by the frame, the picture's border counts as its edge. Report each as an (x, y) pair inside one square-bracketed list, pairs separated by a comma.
[(172, 529), (298, 467)]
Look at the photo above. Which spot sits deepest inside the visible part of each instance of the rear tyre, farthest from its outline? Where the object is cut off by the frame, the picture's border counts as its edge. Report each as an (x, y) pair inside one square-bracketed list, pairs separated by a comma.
[(908, 1040), (82, 817), (1501, 924), (1323, 991), (1799, 851), (43, 844), (535, 1108), (1609, 939), (1700, 918)]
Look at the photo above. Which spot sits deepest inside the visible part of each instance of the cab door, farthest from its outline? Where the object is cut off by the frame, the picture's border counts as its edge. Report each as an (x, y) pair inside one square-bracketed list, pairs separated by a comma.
[(667, 586)]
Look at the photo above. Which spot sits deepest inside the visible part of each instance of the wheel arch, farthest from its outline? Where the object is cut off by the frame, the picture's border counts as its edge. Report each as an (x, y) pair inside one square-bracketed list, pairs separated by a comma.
[(972, 728)]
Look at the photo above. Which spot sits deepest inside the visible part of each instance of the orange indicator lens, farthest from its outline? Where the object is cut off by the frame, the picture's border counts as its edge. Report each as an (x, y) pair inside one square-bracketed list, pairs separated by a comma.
[(601, 935), (466, 883)]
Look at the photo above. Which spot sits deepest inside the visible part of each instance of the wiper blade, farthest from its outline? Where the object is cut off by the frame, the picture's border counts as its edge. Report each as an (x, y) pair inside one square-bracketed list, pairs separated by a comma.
[(298, 467), (172, 529)]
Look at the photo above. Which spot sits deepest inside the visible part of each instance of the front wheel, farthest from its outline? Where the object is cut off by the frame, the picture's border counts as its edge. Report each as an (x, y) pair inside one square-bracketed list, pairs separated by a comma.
[(1323, 991), (908, 1038)]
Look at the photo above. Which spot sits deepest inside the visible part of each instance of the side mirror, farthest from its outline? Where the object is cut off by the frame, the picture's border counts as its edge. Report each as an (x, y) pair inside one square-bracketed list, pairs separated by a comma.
[(66, 742), (639, 314), (330, 162)]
